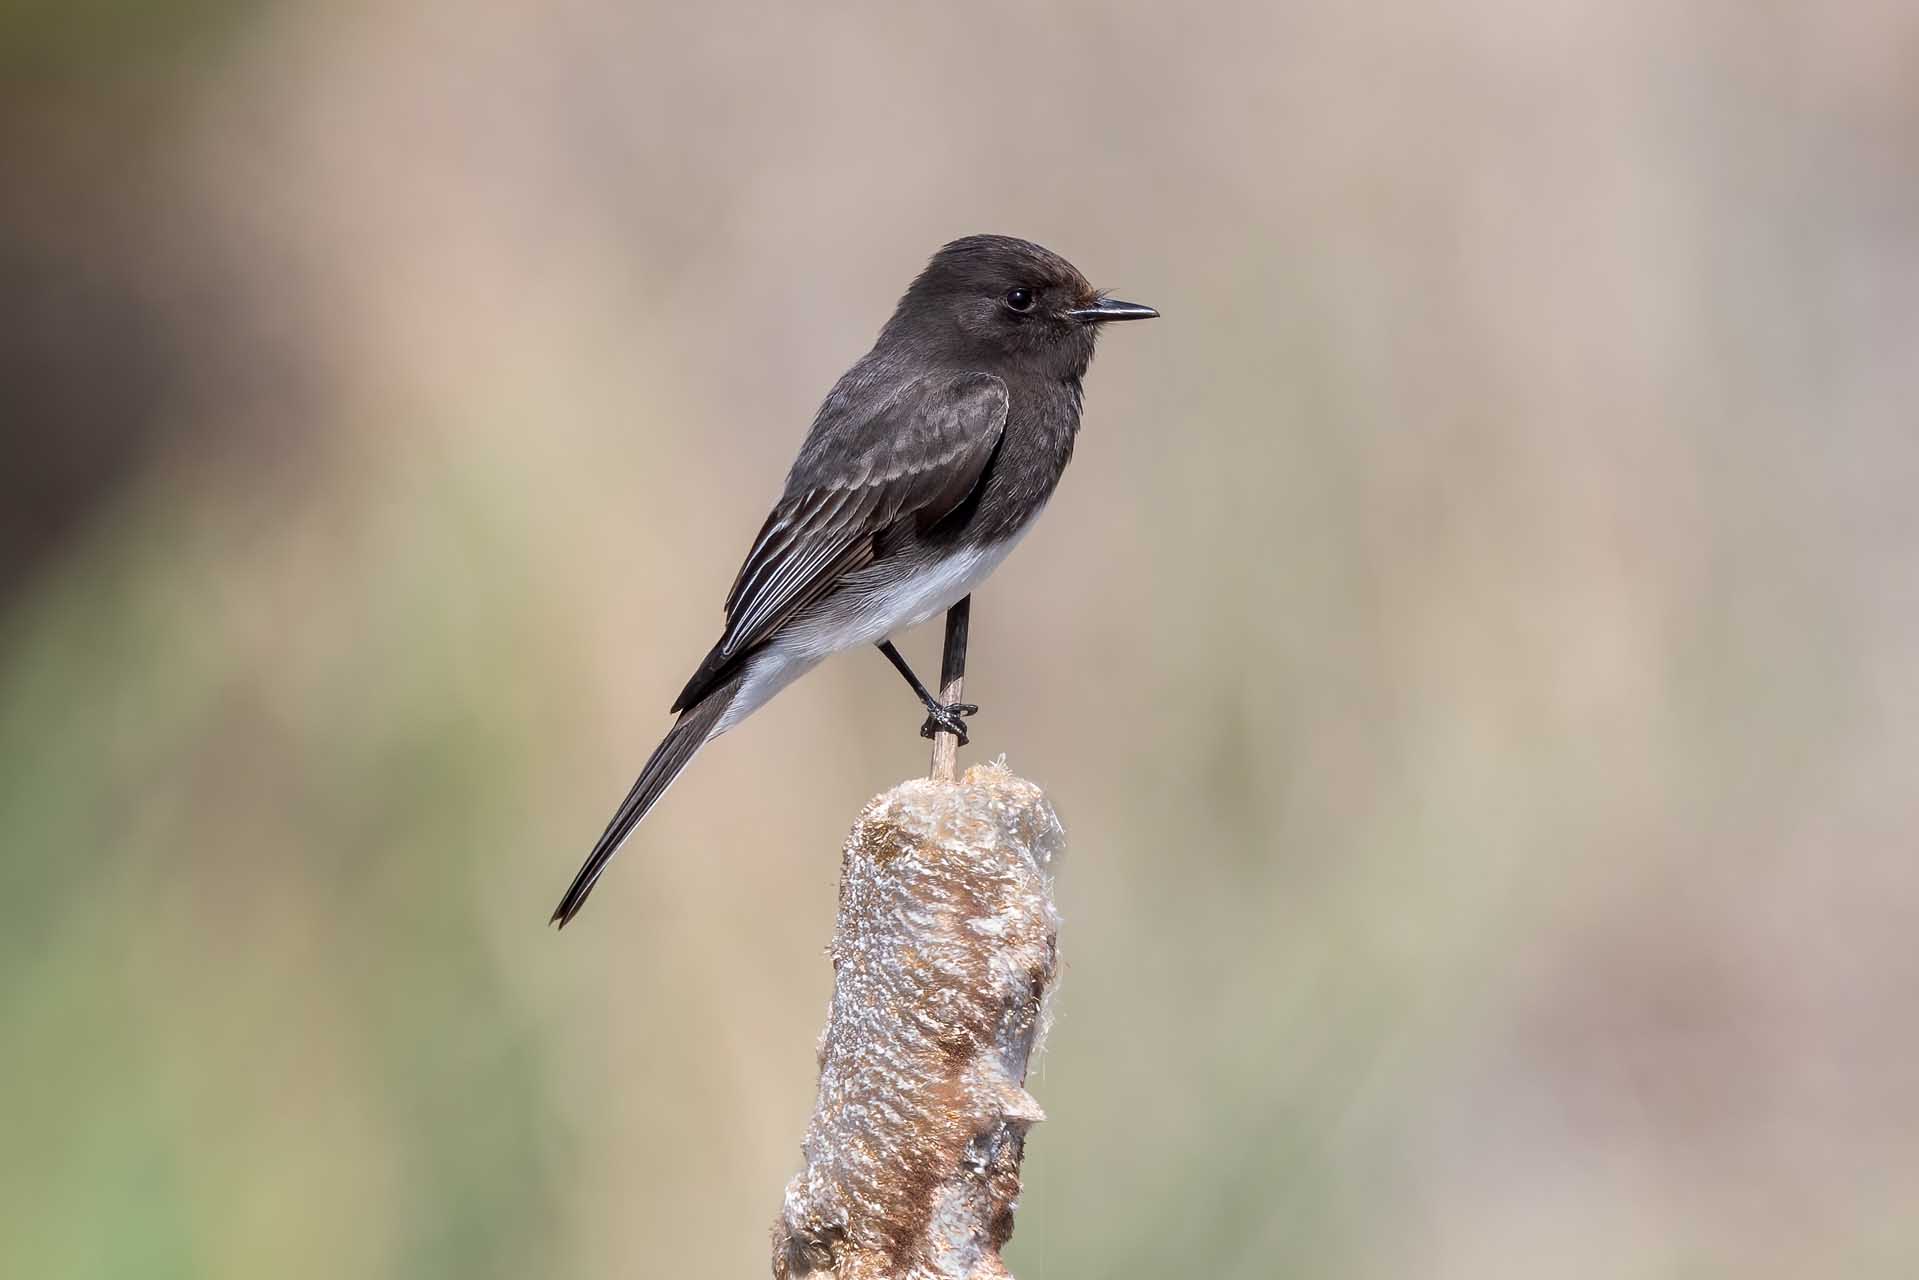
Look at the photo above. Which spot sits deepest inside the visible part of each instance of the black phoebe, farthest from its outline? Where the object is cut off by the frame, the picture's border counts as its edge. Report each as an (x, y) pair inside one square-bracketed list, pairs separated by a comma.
[(927, 462)]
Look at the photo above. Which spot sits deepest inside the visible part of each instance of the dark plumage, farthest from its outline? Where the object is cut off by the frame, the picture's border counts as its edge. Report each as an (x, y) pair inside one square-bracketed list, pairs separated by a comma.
[(925, 464)]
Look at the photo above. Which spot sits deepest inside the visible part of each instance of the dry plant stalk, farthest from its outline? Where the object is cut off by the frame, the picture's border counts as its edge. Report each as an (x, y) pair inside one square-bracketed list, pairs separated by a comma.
[(952, 686), (943, 959)]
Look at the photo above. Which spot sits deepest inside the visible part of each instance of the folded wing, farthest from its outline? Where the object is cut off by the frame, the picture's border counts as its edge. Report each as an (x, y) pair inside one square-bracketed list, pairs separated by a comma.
[(916, 457)]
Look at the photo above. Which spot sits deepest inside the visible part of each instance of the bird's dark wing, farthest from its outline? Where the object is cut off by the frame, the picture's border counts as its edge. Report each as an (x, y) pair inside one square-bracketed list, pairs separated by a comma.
[(917, 455)]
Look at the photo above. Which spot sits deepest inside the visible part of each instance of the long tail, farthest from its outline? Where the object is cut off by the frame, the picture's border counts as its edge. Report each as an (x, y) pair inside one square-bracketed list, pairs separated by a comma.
[(675, 752)]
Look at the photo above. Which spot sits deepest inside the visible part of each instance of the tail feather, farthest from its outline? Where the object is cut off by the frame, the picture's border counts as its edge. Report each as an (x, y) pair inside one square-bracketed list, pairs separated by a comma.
[(675, 752)]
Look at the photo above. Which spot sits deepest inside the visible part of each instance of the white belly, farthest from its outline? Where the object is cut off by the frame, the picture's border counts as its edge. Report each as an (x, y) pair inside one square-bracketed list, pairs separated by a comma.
[(904, 602)]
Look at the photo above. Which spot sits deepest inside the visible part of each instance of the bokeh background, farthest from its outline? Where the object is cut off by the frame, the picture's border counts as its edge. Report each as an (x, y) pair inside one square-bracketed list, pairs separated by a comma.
[(1475, 652)]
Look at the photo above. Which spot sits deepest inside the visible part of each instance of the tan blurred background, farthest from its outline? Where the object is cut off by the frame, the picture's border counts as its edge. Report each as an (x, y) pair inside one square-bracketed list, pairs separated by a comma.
[(1476, 651)]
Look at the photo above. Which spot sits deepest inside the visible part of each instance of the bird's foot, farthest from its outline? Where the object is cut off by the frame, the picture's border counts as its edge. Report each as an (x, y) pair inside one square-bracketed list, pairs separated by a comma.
[(948, 719)]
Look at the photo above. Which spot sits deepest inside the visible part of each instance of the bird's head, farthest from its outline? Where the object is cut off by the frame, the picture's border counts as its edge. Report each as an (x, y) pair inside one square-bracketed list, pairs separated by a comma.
[(1012, 299)]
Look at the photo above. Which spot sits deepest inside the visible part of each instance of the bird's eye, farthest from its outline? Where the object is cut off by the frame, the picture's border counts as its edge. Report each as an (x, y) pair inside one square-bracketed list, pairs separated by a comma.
[(1020, 299)]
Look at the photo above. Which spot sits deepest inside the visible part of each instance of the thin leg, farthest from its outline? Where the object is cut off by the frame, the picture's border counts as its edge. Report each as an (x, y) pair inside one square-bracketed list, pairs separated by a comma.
[(899, 664), (940, 716)]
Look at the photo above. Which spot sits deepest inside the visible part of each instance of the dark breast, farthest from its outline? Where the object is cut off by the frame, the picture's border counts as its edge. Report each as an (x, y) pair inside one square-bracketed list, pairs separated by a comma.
[(1041, 422)]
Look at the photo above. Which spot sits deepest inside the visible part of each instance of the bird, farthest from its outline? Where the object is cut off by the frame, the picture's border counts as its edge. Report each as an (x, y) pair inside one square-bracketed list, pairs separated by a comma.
[(925, 465)]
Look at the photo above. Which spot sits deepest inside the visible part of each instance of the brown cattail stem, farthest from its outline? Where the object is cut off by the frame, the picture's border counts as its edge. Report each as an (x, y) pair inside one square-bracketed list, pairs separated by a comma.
[(952, 684), (943, 961)]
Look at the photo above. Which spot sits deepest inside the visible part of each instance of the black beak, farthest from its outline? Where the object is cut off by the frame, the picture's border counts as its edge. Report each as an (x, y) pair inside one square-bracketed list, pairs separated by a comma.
[(1112, 309)]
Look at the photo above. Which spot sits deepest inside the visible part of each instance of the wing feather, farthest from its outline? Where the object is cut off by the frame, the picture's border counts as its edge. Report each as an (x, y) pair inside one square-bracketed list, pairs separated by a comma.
[(918, 456)]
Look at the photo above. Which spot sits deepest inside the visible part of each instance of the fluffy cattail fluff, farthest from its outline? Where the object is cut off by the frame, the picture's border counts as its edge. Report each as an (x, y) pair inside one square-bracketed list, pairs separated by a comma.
[(943, 959)]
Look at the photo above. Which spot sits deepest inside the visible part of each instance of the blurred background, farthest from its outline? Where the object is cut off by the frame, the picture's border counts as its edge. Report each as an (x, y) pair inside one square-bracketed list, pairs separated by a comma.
[(1475, 652)]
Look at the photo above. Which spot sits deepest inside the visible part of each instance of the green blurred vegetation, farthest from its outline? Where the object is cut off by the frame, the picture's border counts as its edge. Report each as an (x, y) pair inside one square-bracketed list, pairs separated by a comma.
[(55, 38), (280, 950)]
